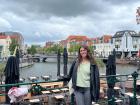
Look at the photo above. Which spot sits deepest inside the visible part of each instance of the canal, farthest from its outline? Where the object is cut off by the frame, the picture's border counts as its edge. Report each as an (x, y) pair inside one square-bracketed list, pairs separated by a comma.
[(43, 69)]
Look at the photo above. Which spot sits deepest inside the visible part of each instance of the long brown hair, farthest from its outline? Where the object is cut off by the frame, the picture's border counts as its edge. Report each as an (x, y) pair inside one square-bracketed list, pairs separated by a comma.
[(90, 56)]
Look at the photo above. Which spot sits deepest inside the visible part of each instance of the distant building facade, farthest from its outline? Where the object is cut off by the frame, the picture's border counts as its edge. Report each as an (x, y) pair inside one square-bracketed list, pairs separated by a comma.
[(14, 36), (49, 44), (5, 42), (102, 46), (63, 43), (74, 40), (126, 43), (78, 39)]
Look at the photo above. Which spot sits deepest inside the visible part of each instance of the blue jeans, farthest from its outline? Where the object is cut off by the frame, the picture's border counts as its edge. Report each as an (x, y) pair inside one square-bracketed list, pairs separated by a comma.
[(83, 96)]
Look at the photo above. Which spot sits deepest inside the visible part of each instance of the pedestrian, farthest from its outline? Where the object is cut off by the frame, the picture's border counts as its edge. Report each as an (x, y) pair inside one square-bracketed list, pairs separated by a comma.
[(85, 77)]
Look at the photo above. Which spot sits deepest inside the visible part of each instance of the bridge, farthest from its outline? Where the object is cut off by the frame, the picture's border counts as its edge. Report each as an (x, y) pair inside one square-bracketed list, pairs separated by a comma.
[(43, 58)]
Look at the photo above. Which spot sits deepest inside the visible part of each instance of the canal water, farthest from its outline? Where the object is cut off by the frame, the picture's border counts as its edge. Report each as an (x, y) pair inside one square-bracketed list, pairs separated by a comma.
[(43, 69)]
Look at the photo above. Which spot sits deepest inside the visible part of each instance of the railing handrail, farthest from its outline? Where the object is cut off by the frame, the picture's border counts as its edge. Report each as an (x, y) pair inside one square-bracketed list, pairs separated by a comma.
[(57, 80), (28, 83)]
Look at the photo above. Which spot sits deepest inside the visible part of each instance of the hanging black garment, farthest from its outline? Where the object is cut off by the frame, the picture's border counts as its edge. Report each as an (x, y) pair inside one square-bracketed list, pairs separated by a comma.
[(11, 73)]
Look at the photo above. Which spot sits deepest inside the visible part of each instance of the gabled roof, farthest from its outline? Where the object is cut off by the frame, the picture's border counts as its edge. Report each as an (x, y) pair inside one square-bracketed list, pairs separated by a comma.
[(13, 37), (121, 33), (78, 37), (94, 38), (3, 37), (107, 36), (10, 33), (63, 41)]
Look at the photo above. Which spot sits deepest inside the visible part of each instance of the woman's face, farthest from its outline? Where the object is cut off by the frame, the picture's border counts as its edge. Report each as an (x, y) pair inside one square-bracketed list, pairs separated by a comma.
[(83, 52)]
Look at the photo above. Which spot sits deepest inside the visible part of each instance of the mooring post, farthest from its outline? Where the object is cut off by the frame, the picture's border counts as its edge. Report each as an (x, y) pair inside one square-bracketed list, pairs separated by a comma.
[(65, 61), (58, 63)]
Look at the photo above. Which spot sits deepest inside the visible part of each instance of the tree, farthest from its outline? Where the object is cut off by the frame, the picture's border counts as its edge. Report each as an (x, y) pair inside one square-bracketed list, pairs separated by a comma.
[(48, 50), (32, 50), (54, 49), (91, 49), (13, 45), (77, 47), (74, 48), (61, 49), (40, 50), (70, 50)]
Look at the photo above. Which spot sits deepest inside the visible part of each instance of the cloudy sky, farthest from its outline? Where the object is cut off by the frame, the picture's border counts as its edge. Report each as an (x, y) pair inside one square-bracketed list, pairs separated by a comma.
[(51, 20)]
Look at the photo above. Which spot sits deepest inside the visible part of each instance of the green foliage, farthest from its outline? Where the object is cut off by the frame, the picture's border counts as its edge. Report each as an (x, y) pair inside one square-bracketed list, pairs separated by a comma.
[(13, 45), (91, 49), (32, 50), (74, 48), (40, 50), (36, 90), (48, 50), (54, 49), (77, 48), (61, 49), (2, 66), (100, 63)]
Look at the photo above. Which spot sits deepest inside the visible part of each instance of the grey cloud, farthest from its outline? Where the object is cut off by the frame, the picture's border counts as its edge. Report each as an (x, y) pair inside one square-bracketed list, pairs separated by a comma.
[(45, 20), (121, 2), (60, 8)]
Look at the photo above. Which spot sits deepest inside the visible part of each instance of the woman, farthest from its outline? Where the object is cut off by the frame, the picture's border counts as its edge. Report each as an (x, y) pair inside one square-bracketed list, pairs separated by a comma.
[(85, 77)]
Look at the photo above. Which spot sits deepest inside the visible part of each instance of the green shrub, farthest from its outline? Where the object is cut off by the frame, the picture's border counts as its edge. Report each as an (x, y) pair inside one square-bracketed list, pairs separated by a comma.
[(2, 66), (100, 63)]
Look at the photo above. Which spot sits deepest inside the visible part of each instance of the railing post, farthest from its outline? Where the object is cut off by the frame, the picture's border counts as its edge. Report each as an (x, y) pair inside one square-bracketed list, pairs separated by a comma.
[(111, 80), (134, 75), (72, 99), (111, 101)]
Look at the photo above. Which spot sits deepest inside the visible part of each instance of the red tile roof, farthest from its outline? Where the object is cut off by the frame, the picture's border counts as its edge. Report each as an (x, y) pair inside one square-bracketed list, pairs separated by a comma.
[(14, 37), (3, 37), (107, 38), (80, 39), (77, 38)]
